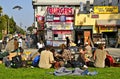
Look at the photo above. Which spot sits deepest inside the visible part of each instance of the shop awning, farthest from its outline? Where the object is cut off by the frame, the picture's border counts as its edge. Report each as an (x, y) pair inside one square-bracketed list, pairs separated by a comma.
[(108, 22)]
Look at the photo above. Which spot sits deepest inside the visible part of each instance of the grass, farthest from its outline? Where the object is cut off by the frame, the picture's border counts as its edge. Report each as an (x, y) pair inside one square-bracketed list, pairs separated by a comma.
[(37, 73)]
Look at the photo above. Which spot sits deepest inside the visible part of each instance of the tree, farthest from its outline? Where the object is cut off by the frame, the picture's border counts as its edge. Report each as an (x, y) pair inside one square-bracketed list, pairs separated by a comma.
[(12, 26), (0, 10), (8, 24), (30, 29)]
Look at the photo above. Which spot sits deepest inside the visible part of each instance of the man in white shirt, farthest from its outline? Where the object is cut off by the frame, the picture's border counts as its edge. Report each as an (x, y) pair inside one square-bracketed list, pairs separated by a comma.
[(20, 42)]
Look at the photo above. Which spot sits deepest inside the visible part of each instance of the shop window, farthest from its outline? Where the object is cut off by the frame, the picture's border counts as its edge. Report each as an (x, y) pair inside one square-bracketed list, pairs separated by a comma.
[(55, 35), (62, 18)]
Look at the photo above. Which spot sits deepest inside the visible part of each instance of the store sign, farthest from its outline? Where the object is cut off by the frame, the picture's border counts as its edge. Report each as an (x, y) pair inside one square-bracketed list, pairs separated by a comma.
[(60, 18), (94, 16), (108, 29), (62, 32), (105, 9), (49, 18), (60, 11)]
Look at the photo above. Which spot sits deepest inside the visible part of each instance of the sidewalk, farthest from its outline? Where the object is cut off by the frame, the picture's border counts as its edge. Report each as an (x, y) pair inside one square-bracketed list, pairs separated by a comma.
[(114, 51)]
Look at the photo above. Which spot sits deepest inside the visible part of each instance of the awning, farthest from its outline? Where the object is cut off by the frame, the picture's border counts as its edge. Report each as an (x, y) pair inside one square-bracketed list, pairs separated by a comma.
[(108, 22)]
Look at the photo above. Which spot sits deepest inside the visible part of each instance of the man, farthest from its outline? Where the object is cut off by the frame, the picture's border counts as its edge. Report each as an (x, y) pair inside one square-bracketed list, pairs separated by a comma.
[(20, 42), (46, 58)]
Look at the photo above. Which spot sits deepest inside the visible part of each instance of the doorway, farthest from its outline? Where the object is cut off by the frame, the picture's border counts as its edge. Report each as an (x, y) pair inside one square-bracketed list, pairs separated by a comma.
[(83, 35)]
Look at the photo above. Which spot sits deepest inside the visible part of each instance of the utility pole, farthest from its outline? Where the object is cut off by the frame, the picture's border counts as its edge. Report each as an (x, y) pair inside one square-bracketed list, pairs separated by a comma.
[(8, 26)]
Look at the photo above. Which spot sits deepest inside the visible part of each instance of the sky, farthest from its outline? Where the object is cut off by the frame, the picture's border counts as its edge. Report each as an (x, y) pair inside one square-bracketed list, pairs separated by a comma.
[(23, 17)]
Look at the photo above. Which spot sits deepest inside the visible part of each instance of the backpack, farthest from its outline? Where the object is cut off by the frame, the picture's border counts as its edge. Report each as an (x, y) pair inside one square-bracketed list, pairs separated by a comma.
[(6, 62), (16, 62), (36, 61), (109, 61)]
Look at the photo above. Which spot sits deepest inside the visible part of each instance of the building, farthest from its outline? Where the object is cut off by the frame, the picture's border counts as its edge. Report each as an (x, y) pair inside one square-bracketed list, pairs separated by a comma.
[(103, 20), (88, 20), (59, 19)]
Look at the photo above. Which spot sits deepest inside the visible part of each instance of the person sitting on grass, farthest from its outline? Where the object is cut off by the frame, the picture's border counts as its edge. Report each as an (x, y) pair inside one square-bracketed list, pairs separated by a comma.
[(100, 56), (46, 58), (82, 58), (58, 58)]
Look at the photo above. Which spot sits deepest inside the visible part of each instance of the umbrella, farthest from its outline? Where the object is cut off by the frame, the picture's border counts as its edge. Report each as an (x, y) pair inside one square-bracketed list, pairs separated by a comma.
[(17, 7)]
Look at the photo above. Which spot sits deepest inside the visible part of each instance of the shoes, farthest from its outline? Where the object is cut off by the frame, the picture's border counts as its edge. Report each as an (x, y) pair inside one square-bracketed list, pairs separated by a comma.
[(92, 73), (85, 67)]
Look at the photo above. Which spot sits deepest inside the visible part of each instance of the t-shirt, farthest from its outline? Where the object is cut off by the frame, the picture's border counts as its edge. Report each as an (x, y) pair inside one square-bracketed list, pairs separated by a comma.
[(40, 45), (100, 56), (20, 42), (45, 58)]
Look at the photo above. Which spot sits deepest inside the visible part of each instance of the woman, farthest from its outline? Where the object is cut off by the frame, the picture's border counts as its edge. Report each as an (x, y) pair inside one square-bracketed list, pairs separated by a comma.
[(100, 56)]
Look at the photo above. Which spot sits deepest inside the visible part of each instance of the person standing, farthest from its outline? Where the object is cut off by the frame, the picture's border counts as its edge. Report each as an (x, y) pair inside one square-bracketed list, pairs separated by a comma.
[(20, 44), (15, 45), (67, 42), (5, 42), (27, 41)]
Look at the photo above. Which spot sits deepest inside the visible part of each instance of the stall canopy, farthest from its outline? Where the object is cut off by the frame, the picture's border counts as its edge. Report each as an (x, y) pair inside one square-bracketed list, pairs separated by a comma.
[(108, 22)]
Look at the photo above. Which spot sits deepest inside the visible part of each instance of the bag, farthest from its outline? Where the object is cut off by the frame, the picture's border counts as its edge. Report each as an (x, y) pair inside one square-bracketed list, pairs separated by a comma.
[(35, 61), (24, 64), (109, 61), (4, 54), (16, 62), (77, 64), (6, 62)]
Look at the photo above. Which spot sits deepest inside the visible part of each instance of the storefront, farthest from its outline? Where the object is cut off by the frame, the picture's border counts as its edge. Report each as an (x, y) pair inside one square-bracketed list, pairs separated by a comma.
[(84, 34), (59, 22), (109, 30)]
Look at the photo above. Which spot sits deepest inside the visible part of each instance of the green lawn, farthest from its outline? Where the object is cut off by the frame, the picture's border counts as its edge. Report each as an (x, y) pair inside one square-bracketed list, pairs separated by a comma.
[(37, 73)]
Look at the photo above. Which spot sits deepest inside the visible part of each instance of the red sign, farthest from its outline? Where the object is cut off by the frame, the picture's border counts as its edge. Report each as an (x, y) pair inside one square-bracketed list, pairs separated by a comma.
[(40, 20), (95, 16), (62, 31), (60, 10)]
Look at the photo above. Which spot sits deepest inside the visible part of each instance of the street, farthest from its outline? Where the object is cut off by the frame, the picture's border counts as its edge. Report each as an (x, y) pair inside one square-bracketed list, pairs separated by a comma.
[(115, 52)]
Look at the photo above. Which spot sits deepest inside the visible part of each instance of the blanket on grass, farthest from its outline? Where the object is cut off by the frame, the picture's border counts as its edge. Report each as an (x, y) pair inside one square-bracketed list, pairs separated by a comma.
[(76, 71)]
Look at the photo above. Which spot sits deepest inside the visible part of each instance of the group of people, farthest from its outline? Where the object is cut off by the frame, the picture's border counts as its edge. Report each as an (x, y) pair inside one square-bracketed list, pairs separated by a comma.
[(18, 44), (49, 57)]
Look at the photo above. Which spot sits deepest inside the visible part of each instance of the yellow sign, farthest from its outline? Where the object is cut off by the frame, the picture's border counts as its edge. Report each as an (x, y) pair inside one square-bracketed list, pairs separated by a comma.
[(106, 9)]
